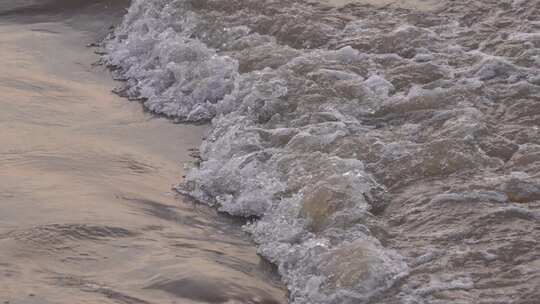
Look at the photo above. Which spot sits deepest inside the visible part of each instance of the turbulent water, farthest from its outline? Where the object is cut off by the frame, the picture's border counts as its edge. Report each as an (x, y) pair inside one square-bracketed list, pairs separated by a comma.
[(386, 151)]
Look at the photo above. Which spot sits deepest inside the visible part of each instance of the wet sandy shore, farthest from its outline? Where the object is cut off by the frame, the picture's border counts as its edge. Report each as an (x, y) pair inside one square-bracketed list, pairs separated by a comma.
[(86, 211)]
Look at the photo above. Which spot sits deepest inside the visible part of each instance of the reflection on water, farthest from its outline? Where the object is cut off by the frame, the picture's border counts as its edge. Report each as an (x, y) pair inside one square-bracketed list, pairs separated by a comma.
[(86, 215)]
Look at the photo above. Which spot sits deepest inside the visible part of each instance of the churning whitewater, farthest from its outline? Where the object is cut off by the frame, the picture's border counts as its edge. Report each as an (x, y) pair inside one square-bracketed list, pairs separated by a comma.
[(385, 153)]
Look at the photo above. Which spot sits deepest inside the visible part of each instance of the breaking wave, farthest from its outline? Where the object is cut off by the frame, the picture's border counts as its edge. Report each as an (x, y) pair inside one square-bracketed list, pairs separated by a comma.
[(389, 154)]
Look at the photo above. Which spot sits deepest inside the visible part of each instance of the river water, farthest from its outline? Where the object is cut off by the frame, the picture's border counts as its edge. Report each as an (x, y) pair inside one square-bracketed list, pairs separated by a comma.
[(380, 151), (386, 151), (87, 214)]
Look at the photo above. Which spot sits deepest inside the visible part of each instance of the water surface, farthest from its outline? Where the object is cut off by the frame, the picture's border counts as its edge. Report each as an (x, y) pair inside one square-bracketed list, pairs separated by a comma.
[(389, 149), (86, 210)]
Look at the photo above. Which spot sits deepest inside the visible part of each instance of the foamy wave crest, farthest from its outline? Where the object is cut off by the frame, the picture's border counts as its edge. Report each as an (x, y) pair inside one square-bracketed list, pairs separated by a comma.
[(175, 75), (368, 143)]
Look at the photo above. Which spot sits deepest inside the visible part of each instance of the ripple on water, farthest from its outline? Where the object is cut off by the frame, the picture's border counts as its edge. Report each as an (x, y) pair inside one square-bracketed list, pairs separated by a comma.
[(212, 291), (61, 233)]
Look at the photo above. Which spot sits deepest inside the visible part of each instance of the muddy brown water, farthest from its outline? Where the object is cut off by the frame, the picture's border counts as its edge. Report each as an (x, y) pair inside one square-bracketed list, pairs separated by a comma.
[(416, 5), (86, 210)]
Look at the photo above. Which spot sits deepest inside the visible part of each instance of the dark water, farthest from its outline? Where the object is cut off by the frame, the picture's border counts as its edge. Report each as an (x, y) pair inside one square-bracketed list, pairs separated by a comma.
[(86, 211)]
